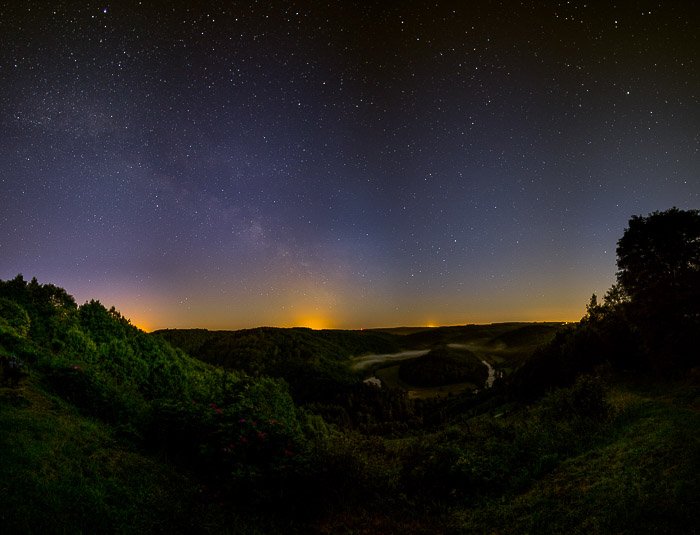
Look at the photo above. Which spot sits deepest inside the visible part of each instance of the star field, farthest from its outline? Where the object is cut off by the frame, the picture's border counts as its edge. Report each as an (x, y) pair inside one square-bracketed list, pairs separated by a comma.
[(337, 164)]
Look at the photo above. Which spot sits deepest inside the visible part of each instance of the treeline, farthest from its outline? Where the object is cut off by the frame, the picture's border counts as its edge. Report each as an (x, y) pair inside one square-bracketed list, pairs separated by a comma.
[(512, 332), (647, 322)]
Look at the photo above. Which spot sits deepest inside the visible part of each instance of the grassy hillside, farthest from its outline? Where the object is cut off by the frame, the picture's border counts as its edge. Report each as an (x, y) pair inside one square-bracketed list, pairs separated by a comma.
[(574, 462), (105, 426), (639, 476), (64, 472), (82, 475)]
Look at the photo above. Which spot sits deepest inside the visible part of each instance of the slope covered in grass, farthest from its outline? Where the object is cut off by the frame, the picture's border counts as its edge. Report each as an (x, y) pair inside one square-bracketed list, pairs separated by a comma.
[(64, 472), (641, 476)]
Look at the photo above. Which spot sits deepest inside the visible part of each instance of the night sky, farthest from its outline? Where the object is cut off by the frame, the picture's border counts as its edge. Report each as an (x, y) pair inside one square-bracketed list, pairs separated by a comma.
[(338, 164)]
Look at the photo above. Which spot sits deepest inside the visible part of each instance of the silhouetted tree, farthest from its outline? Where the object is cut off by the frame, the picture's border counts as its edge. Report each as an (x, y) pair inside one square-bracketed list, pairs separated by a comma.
[(649, 319), (658, 258)]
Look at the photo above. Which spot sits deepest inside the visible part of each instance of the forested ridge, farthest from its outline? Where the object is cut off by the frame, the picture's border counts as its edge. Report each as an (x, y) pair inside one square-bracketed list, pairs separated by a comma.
[(591, 428)]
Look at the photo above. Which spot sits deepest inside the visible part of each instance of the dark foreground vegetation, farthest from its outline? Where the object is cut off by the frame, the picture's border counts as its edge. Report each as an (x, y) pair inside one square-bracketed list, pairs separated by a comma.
[(594, 429)]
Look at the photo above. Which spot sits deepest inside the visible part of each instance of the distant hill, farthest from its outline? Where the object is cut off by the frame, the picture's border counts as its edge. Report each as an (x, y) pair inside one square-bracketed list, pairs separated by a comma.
[(526, 335), (242, 347), (474, 333)]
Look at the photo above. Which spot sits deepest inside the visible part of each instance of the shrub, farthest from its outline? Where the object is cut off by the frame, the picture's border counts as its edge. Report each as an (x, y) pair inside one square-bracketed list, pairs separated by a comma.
[(585, 399), (12, 370), (14, 317)]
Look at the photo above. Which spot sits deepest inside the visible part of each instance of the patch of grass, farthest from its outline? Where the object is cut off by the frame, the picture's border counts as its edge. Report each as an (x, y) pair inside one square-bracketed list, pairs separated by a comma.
[(640, 478), (62, 472)]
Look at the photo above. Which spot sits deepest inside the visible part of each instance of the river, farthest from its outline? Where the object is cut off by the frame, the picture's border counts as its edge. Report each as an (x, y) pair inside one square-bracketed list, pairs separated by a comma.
[(365, 361), (492, 374)]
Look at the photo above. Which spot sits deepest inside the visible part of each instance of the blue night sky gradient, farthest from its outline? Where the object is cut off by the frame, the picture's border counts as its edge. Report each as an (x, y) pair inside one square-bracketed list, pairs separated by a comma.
[(228, 165)]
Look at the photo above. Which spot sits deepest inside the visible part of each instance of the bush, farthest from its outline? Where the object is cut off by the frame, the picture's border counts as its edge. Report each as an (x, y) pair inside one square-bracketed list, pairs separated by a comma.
[(585, 399), (12, 370), (14, 317), (95, 394)]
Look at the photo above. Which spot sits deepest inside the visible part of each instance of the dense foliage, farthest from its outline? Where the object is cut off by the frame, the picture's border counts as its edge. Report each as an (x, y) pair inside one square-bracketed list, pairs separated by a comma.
[(659, 272)]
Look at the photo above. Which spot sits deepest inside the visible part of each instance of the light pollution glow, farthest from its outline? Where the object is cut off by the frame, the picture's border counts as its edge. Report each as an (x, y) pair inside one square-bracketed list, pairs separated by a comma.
[(150, 310)]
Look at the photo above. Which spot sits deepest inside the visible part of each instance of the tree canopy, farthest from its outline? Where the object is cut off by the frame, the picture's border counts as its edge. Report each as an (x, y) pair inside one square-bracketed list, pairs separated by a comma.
[(658, 258)]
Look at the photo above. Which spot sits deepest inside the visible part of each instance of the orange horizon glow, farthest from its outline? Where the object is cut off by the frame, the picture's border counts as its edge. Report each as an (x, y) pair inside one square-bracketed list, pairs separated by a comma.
[(313, 322), (150, 310), (319, 325), (317, 320), (142, 325)]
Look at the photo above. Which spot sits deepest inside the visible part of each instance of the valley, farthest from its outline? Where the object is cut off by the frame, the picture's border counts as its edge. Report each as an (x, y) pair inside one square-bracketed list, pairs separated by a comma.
[(513, 428)]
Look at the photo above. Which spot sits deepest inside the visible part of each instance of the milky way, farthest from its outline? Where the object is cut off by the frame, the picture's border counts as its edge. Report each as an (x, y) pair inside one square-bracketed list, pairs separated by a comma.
[(227, 165)]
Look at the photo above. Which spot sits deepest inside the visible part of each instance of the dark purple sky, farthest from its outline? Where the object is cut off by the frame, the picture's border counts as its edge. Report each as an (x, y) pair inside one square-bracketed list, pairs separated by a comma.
[(231, 164)]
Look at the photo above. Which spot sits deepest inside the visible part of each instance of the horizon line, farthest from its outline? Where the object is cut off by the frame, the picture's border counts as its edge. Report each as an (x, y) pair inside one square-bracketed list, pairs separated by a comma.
[(385, 328)]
